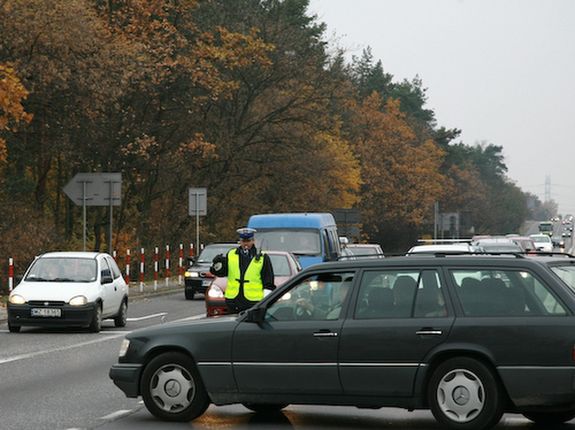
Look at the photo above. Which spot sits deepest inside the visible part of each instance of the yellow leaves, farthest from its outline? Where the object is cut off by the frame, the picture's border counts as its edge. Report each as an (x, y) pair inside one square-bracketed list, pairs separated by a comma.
[(400, 174), (12, 92)]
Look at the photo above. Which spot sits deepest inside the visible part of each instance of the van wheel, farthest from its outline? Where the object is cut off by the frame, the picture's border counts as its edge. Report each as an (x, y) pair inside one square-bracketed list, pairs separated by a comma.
[(464, 394), (172, 388), (548, 419), (122, 318), (96, 324)]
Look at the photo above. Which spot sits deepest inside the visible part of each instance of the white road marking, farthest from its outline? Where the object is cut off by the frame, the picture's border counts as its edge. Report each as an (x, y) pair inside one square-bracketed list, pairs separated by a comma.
[(117, 414), (147, 317), (64, 348)]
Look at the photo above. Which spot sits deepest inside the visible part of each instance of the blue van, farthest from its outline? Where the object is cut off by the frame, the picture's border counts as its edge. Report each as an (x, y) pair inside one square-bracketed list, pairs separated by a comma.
[(312, 237)]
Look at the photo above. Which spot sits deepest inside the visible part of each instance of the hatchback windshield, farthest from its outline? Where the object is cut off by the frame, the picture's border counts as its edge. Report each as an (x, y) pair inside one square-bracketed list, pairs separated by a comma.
[(301, 242), (62, 270)]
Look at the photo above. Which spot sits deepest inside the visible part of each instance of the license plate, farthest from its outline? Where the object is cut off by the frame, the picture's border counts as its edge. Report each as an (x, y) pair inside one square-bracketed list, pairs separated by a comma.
[(46, 312), (206, 282)]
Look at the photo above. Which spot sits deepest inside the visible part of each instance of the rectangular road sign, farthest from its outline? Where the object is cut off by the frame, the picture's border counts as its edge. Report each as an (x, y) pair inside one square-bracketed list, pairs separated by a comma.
[(98, 189), (198, 201)]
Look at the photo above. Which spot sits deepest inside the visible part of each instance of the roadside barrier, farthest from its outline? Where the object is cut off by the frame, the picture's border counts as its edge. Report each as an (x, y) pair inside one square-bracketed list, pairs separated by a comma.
[(139, 272)]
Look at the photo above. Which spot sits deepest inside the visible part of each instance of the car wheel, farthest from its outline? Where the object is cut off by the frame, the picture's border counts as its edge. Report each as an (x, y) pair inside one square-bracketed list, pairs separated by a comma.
[(122, 318), (96, 324), (13, 328), (189, 294), (264, 408), (548, 419), (172, 388), (464, 394)]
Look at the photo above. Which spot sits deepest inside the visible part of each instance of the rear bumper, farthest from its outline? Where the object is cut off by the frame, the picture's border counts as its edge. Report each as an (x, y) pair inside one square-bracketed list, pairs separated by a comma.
[(127, 378), (71, 316)]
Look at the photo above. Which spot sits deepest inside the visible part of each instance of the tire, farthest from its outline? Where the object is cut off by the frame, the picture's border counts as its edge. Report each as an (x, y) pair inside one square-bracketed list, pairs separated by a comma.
[(13, 328), (189, 294), (265, 408), (96, 323), (172, 388), (122, 318), (547, 419), (464, 394)]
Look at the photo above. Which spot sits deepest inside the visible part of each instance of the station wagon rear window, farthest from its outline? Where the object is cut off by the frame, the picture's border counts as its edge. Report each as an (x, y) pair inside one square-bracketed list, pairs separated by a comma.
[(497, 292)]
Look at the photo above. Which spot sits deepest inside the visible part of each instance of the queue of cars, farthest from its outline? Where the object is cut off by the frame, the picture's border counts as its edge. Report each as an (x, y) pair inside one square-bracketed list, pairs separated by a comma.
[(473, 336)]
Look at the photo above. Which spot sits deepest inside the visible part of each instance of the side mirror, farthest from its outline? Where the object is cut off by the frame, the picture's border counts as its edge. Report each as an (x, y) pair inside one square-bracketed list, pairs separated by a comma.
[(256, 315), (192, 259)]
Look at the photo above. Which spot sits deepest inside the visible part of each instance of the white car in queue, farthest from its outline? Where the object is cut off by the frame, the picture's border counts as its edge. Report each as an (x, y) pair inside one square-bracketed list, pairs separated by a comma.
[(69, 289), (542, 242)]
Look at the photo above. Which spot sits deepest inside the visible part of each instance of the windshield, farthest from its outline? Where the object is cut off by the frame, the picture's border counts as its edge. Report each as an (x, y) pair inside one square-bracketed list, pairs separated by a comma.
[(210, 251), (62, 270), (302, 242), (540, 239), (280, 265), (567, 274), (500, 248), (545, 227), (363, 250)]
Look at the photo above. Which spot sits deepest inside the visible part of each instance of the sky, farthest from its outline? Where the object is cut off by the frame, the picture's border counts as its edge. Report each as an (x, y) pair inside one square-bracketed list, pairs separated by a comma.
[(502, 71)]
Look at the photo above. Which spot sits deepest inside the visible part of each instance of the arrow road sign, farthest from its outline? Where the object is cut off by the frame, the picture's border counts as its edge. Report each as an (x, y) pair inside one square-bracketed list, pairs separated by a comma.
[(101, 189)]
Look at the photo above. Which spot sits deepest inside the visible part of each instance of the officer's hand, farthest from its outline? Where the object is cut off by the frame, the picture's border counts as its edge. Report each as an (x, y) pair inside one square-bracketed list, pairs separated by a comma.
[(217, 263)]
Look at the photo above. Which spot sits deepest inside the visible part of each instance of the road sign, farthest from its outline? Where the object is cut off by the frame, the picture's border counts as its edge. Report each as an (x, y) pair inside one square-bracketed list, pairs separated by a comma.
[(198, 201), (95, 189)]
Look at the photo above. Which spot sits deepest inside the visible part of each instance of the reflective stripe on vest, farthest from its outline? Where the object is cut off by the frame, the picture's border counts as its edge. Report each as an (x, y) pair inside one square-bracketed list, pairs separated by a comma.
[(253, 286)]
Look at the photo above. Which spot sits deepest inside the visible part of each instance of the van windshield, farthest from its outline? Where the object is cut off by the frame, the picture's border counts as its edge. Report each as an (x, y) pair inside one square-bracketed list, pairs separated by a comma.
[(299, 242)]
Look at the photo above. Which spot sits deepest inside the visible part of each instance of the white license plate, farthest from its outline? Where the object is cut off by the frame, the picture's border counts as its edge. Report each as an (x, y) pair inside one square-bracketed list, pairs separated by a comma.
[(46, 312), (206, 282)]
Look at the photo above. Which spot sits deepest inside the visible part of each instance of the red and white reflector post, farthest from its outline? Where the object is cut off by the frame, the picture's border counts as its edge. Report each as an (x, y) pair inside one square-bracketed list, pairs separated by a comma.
[(128, 262), (10, 274), (191, 254), (167, 274), (181, 264), (142, 267), (156, 267), (115, 256)]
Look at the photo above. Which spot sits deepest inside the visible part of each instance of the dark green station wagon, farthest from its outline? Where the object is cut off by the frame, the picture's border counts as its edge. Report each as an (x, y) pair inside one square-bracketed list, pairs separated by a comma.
[(469, 337)]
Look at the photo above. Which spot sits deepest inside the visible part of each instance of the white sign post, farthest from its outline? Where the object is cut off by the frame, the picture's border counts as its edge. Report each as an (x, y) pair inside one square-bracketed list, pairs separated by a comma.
[(198, 205)]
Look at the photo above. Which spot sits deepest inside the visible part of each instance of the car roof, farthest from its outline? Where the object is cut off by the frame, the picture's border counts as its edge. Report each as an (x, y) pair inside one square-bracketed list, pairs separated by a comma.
[(454, 247), (71, 254), (420, 260)]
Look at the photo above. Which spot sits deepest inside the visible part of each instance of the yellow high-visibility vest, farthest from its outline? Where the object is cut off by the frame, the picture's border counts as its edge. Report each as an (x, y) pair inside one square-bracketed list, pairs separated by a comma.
[(253, 285)]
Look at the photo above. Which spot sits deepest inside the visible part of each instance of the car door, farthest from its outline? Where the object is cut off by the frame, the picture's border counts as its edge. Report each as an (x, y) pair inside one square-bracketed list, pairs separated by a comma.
[(107, 290), (399, 315), (294, 351), (120, 287)]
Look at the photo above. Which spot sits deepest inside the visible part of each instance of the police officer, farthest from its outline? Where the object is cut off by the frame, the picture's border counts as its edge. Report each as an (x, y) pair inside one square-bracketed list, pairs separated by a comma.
[(248, 272)]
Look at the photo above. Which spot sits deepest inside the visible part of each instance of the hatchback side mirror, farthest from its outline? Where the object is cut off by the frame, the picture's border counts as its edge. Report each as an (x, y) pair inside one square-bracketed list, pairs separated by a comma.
[(106, 277)]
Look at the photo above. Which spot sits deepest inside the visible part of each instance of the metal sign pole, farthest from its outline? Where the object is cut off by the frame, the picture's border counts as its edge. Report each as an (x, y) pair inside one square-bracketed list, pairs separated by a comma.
[(84, 215), (197, 222), (110, 233)]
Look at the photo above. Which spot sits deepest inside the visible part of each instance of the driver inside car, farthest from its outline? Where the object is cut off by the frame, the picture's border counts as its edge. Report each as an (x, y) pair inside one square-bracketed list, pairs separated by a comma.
[(306, 309)]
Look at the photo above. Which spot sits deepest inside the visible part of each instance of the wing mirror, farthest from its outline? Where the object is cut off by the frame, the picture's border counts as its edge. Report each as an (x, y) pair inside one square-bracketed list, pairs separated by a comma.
[(106, 277), (256, 315)]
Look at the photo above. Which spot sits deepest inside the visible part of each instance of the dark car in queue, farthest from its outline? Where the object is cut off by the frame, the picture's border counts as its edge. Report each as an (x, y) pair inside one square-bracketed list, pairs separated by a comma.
[(197, 277), (468, 336), (285, 266)]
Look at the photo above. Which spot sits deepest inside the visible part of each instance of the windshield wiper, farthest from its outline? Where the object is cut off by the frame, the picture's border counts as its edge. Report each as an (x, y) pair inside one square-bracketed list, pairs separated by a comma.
[(35, 279), (62, 280)]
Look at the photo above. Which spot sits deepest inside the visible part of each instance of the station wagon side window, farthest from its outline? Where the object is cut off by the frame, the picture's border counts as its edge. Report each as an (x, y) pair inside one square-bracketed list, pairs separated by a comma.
[(317, 297), (504, 292), (400, 294)]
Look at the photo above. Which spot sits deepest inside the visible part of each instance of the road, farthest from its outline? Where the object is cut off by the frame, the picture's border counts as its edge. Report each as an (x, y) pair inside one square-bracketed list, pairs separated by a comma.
[(56, 379)]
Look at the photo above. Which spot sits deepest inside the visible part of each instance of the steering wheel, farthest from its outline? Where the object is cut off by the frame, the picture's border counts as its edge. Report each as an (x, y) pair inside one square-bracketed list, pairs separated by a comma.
[(301, 312)]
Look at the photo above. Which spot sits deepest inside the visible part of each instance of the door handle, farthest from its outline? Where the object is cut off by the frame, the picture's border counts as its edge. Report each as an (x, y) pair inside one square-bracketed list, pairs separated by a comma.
[(429, 332), (325, 333)]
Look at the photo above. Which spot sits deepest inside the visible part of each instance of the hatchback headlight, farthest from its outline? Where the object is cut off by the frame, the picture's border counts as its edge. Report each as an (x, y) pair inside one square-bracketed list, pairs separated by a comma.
[(215, 292), (192, 274), (78, 301), (124, 348), (16, 299)]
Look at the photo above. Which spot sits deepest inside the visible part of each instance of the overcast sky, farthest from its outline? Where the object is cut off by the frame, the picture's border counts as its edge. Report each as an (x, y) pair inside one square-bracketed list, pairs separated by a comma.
[(502, 71)]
